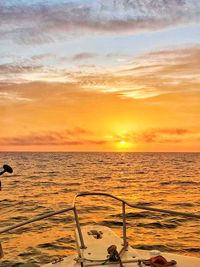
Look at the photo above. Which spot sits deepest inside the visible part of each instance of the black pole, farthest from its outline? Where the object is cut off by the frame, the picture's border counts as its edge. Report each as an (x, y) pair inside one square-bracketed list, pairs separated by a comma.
[(6, 168)]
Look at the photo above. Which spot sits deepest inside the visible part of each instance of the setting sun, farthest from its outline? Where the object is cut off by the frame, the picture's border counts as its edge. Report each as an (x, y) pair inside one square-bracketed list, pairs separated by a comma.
[(122, 143)]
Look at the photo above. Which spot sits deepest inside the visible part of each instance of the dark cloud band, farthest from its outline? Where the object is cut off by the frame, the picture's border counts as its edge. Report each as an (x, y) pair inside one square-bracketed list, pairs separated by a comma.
[(42, 22)]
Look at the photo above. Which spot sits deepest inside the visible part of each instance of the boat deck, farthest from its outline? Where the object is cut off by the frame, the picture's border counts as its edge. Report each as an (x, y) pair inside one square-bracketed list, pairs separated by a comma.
[(182, 261), (98, 239)]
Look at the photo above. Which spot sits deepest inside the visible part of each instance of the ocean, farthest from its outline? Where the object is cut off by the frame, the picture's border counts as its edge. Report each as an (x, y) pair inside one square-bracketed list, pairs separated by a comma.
[(44, 182)]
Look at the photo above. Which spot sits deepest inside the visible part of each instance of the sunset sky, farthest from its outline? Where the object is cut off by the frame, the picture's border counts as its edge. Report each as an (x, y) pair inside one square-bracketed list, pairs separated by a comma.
[(100, 75)]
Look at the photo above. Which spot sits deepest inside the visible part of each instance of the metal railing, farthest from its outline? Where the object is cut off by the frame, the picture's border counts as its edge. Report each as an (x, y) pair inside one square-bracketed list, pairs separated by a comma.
[(35, 219), (124, 203), (74, 209)]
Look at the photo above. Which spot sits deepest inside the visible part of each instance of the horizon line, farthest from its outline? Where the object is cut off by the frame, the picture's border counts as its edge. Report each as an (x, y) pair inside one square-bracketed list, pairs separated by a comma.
[(99, 151)]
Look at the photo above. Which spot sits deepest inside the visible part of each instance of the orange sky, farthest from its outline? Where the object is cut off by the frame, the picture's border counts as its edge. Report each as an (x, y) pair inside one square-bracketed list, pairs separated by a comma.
[(116, 87), (63, 118)]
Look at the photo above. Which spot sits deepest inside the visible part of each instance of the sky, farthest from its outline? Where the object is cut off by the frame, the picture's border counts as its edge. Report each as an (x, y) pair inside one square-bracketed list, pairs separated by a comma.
[(100, 75)]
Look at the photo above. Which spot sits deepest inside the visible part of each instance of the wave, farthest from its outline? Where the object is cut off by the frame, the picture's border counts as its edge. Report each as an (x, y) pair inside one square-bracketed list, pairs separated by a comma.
[(187, 182), (158, 247), (158, 225)]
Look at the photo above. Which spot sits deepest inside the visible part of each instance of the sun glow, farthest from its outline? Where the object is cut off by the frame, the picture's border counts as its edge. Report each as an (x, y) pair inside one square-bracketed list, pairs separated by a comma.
[(123, 145), (122, 142)]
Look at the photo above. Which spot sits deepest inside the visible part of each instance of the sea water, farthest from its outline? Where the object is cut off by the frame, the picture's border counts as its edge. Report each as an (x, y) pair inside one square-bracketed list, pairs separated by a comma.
[(44, 182)]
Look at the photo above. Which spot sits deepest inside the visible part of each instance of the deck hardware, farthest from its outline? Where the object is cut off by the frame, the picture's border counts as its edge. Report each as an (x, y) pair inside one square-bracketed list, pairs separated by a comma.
[(59, 259), (96, 234)]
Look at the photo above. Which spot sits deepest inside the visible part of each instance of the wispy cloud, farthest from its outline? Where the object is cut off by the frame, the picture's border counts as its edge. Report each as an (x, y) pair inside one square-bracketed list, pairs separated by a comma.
[(19, 68), (160, 135), (159, 72), (13, 97), (44, 22), (166, 71), (69, 137), (169, 135), (43, 56), (83, 56)]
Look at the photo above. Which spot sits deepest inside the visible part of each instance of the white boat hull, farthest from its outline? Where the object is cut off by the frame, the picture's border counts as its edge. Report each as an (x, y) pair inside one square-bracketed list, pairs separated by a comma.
[(95, 251), (182, 261)]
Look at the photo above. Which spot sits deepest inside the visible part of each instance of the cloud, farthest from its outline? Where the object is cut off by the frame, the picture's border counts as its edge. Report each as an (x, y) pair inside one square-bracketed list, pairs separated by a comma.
[(166, 71), (19, 68), (165, 135), (83, 56), (43, 56), (45, 22), (160, 72), (69, 137), (13, 97), (160, 136)]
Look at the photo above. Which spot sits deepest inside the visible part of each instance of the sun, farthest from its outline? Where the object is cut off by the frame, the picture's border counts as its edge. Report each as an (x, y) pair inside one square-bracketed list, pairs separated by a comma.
[(122, 142), (123, 145)]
